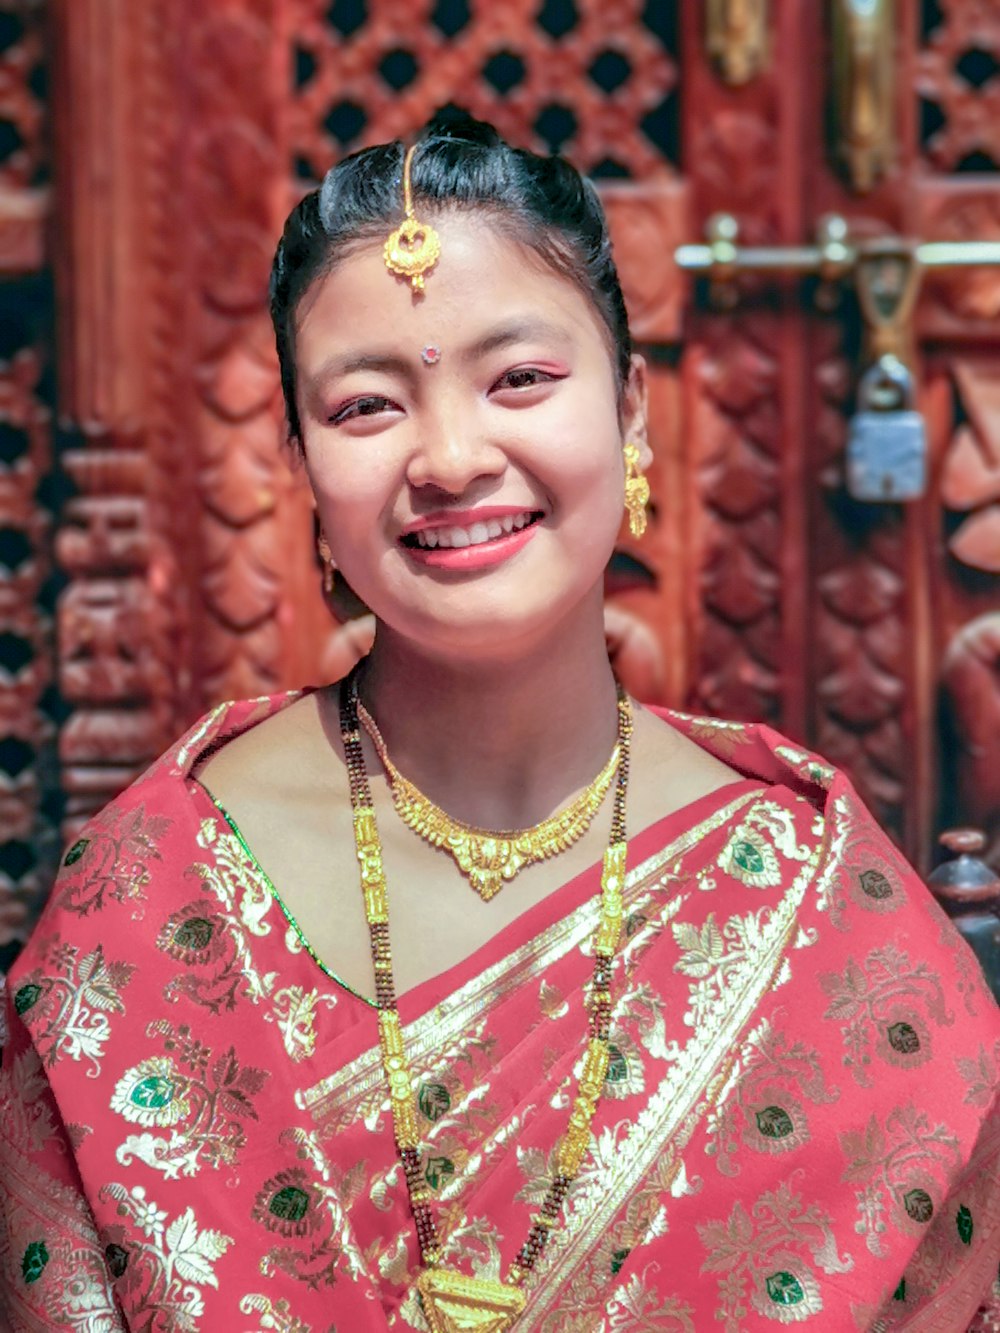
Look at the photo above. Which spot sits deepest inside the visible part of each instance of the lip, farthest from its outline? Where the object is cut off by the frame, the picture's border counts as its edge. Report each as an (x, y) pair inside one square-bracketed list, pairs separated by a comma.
[(468, 559), (464, 518)]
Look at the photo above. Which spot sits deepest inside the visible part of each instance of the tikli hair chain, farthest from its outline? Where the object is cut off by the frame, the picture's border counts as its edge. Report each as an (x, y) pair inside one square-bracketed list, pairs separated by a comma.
[(414, 247)]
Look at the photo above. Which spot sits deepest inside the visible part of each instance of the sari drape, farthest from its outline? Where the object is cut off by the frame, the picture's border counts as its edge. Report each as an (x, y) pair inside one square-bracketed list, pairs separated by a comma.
[(798, 1123)]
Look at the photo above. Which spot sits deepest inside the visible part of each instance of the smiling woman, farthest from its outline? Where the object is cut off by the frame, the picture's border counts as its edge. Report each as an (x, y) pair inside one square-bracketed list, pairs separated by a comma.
[(467, 993)]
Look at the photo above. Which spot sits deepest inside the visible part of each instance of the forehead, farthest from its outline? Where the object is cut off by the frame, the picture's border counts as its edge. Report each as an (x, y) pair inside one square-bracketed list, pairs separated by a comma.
[(483, 277)]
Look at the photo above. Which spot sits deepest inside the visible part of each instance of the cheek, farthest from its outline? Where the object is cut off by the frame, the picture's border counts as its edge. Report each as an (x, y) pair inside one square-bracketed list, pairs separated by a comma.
[(349, 485)]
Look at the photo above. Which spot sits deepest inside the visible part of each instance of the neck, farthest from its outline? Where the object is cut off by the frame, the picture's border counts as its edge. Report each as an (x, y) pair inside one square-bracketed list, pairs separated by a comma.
[(501, 746)]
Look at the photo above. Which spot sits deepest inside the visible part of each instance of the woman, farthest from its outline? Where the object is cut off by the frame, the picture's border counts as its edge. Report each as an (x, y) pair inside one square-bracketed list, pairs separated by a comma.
[(699, 1050)]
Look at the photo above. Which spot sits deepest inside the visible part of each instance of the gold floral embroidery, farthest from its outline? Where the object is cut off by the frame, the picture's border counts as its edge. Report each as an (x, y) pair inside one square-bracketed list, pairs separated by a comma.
[(637, 1307), (294, 1010), (980, 1075), (163, 1268), (878, 1003), (67, 1008), (112, 862), (897, 1171), (764, 1106), (765, 1249), (276, 1317), (200, 1099)]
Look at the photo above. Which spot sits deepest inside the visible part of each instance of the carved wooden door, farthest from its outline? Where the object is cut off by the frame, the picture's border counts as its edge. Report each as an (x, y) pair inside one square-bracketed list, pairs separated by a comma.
[(159, 551)]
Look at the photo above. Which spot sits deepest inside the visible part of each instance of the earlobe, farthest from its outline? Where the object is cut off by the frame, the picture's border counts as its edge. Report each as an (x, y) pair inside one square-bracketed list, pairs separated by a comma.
[(636, 411)]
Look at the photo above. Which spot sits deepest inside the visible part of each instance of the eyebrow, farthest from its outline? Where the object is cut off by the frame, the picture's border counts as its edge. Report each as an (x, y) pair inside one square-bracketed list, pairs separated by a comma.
[(349, 364), (522, 330)]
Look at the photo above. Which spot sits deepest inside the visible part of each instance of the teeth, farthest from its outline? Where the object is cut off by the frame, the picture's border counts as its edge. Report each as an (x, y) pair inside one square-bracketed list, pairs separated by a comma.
[(474, 535)]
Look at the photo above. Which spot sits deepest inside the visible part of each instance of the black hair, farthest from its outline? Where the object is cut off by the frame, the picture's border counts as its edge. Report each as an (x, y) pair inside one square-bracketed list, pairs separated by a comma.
[(459, 164)]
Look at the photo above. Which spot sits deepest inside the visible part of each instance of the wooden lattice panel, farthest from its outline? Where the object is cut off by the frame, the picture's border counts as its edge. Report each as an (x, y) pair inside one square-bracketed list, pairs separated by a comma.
[(593, 78), (958, 80), (23, 120)]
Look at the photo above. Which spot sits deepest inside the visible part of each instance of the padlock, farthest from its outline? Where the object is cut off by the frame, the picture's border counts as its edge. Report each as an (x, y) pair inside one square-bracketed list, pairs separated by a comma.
[(887, 437)]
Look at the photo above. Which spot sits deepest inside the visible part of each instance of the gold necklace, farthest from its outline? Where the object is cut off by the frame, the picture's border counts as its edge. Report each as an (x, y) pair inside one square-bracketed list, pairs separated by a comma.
[(453, 1302), (489, 858)]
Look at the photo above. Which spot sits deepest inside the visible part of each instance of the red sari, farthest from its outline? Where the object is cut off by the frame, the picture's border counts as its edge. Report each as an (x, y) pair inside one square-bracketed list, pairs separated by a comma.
[(796, 1125)]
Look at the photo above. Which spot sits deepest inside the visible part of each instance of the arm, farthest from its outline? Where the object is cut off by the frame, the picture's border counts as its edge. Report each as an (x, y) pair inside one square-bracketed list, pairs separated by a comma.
[(53, 1274)]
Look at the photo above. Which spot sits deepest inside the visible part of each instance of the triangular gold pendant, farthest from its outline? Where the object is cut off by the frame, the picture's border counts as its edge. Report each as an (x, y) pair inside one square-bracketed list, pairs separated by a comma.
[(454, 1303)]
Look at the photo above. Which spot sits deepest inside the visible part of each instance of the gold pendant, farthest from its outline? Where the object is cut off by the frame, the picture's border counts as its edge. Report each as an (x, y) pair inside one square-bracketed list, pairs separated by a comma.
[(454, 1303), (411, 250)]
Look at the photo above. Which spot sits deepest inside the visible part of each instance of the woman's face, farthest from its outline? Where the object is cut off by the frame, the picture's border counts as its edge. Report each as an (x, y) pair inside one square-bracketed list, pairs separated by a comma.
[(513, 435)]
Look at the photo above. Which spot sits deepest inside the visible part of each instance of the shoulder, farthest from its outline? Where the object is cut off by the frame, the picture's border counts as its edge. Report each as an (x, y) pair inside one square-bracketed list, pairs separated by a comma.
[(127, 863)]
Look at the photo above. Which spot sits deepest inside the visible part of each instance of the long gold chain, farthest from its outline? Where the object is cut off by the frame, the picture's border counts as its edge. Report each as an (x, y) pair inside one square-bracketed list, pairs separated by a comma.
[(451, 1299), (490, 858)]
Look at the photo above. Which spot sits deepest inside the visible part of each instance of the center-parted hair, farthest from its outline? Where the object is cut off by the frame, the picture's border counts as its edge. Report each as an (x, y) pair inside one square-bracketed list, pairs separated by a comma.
[(459, 165)]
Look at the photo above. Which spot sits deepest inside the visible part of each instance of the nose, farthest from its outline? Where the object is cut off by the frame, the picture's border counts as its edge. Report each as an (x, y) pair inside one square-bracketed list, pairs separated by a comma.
[(452, 452)]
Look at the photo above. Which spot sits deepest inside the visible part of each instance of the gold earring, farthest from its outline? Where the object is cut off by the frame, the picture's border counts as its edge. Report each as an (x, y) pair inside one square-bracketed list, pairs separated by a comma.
[(329, 568), (636, 491)]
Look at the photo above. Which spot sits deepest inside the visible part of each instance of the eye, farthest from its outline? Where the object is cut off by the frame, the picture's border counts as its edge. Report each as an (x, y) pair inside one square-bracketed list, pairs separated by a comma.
[(368, 406), (525, 377)]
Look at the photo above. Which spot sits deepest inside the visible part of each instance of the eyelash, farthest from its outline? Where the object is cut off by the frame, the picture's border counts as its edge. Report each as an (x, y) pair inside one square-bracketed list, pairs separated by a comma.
[(362, 407)]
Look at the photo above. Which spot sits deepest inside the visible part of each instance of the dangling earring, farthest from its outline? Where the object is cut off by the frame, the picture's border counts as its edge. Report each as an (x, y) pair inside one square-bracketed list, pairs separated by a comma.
[(329, 568), (636, 491)]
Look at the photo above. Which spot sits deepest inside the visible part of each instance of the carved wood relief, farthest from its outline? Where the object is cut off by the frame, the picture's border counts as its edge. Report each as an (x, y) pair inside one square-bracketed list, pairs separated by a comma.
[(29, 711)]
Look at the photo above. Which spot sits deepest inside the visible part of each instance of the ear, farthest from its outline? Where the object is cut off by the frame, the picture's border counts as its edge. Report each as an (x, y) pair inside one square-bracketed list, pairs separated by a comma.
[(294, 453), (635, 411)]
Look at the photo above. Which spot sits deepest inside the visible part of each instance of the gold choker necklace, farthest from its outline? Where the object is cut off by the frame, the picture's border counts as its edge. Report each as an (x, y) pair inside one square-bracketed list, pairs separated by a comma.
[(451, 1300), (489, 858)]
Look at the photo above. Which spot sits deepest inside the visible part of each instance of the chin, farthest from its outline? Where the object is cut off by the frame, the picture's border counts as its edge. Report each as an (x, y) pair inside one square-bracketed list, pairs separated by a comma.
[(494, 630)]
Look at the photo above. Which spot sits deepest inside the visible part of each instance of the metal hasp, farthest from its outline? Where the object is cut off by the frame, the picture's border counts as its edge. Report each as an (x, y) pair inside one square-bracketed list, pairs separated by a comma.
[(863, 89), (832, 255), (969, 891)]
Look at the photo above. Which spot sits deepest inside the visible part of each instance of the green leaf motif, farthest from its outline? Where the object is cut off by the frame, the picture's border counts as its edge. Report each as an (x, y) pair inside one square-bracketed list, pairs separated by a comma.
[(745, 854), (903, 1038), (774, 1122), (26, 997), (152, 1093), (875, 885), (784, 1288), (437, 1171), (919, 1205), (117, 1259), (964, 1223), (433, 1100), (195, 933), (290, 1204), (36, 1256), (76, 851), (617, 1065), (618, 1260)]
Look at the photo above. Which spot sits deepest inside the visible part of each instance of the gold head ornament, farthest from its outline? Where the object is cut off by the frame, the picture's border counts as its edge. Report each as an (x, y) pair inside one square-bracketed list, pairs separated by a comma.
[(414, 247)]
